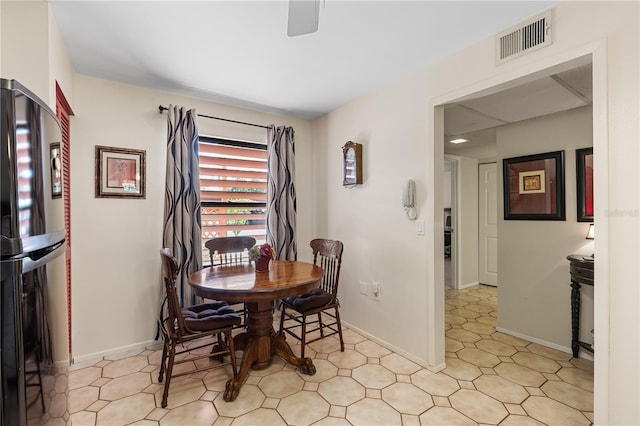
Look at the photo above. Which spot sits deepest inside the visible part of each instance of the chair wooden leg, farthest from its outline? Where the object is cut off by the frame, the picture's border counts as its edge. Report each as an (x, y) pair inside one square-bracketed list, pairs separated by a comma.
[(163, 360), (282, 314), (339, 330), (320, 326), (232, 353), (172, 355), (303, 335)]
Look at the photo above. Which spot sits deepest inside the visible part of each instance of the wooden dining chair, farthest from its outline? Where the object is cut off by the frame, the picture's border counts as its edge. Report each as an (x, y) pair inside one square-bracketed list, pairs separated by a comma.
[(322, 301), (210, 322), (231, 251)]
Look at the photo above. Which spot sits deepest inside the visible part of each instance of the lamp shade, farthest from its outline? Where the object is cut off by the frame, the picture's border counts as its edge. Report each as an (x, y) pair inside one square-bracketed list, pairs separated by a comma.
[(590, 232)]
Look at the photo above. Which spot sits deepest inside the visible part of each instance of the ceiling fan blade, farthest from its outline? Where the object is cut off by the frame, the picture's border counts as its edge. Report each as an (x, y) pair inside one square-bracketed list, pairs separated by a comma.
[(303, 17)]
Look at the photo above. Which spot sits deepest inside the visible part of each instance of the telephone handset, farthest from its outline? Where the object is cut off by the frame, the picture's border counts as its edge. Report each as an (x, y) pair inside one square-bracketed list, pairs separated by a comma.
[(409, 198)]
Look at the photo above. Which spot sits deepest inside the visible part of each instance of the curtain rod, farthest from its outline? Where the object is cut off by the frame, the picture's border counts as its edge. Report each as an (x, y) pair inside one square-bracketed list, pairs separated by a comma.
[(164, 108)]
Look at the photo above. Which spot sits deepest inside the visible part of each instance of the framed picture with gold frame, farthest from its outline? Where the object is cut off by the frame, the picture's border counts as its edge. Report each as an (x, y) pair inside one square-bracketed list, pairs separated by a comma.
[(120, 172)]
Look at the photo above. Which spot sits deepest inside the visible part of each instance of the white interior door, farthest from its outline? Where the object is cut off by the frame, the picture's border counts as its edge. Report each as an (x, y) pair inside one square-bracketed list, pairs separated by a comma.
[(488, 224)]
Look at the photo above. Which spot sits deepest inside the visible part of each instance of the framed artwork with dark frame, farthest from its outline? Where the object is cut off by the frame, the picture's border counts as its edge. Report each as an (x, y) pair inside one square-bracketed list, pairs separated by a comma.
[(55, 164), (534, 187), (584, 183), (120, 172)]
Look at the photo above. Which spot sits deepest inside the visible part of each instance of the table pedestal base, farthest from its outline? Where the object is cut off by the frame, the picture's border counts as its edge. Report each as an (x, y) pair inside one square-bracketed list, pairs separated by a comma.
[(260, 343)]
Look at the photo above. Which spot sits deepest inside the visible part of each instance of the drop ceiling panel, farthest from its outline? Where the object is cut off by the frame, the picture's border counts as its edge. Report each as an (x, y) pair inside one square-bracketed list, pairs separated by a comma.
[(540, 97), (459, 119)]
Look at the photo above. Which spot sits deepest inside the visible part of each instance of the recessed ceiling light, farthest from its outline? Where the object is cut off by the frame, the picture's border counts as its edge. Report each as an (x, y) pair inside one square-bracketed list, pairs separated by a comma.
[(459, 140)]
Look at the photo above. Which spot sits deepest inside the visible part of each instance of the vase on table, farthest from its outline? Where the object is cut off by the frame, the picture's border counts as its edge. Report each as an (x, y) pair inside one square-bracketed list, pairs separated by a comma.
[(262, 264)]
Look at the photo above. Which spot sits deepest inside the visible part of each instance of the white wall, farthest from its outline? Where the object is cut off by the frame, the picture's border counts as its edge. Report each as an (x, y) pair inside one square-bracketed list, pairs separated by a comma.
[(468, 222), (116, 242), (402, 137), (534, 295)]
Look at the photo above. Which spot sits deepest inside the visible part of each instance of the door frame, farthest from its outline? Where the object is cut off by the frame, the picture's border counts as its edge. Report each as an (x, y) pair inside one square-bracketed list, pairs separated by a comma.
[(597, 51), (455, 202)]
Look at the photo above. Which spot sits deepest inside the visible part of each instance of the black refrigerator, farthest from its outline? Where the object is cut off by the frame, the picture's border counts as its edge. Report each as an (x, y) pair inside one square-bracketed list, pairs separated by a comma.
[(33, 313)]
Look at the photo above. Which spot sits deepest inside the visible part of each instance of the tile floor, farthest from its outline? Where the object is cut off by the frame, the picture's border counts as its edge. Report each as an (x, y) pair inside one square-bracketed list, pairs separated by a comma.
[(491, 378)]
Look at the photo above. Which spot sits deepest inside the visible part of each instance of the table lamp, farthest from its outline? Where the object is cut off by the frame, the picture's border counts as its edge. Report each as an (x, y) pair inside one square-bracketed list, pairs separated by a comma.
[(591, 234)]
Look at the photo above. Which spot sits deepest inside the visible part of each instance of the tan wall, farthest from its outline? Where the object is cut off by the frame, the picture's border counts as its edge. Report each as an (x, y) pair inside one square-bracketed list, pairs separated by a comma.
[(533, 291), (117, 241)]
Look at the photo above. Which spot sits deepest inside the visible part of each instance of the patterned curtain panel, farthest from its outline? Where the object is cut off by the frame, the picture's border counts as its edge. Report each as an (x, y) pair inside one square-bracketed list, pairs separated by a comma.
[(281, 192), (182, 228)]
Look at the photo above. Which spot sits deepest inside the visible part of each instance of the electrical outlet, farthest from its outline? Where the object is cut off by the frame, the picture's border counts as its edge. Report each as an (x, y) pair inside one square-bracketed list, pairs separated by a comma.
[(375, 290), (419, 227), (364, 288)]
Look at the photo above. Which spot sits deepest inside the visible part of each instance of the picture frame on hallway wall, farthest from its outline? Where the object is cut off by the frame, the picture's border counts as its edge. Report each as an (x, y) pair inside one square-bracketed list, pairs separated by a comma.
[(584, 184), (534, 187), (120, 172)]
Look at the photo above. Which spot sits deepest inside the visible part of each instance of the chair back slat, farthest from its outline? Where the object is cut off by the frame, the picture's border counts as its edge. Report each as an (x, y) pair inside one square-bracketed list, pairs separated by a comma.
[(328, 255), (229, 250), (174, 320)]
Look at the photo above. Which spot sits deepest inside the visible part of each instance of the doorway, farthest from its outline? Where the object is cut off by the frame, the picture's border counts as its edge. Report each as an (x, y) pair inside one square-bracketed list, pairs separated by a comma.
[(488, 224)]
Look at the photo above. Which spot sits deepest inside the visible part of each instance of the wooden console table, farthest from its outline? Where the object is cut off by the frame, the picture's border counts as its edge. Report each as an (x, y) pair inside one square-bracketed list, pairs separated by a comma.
[(581, 270)]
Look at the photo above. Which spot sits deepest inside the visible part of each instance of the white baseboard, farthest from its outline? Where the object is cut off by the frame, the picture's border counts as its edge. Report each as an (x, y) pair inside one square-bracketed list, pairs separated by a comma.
[(113, 354), (467, 285), (421, 362), (566, 349)]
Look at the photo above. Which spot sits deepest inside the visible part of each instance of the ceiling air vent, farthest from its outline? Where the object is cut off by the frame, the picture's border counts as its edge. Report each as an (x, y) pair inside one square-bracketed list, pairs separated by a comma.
[(524, 38)]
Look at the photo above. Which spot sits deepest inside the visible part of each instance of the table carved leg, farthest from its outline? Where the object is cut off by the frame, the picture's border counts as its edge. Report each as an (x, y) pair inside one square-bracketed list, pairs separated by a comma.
[(259, 344), (575, 318)]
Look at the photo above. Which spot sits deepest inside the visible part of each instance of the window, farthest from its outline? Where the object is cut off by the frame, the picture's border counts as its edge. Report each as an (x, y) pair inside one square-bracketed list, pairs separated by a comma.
[(233, 189)]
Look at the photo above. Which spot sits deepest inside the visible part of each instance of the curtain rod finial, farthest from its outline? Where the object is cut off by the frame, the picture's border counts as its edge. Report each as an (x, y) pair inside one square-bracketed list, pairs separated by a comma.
[(162, 108)]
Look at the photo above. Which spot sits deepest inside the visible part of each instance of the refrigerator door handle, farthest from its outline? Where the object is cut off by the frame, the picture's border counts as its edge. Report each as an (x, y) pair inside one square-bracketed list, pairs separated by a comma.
[(41, 257)]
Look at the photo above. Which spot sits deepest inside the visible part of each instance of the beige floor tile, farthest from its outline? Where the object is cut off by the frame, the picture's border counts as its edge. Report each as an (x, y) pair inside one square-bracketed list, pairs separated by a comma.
[(347, 359), (125, 386), (373, 393), (372, 349), (478, 406), (435, 383), (403, 378), (97, 406), (445, 416), (479, 328), (441, 401), (338, 411), (465, 313), (367, 412), (515, 409), (80, 399), (249, 399), (310, 386), (535, 391), (519, 374), (399, 364), (407, 398), (577, 376), (270, 403), (373, 376), (350, 336), (84, 377), (281, 384), (303, 408), (223, 421), (570, 395), (462, 335), (332, 421), (157, 413), (509, 340), (126, 410), (194, 414), (501, 389), (260, 417), (553, 412), (461, 370), (452, 345), (83, 418), (585, 364), (326, 345), (517, 420), (341, 391), (478, 357), (451, 318), (477, 307), (549, 352), (182, 390), (492, 321), (536, 362), (125, 366)]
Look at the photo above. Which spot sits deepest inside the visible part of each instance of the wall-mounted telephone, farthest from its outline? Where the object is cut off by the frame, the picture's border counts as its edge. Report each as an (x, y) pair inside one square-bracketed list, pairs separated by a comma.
[(409, 198)]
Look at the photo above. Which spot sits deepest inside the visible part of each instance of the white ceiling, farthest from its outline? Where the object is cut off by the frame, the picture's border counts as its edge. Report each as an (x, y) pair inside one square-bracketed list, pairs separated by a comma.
[(238, 53)]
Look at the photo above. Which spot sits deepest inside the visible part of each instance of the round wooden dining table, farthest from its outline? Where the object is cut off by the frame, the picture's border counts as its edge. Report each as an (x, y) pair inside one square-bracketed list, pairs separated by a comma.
[(258, 291)]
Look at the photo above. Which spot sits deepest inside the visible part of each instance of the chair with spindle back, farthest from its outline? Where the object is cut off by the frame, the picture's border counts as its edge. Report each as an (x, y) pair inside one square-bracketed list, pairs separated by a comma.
[(322, 301)]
